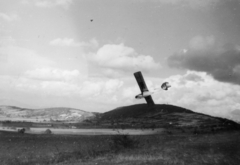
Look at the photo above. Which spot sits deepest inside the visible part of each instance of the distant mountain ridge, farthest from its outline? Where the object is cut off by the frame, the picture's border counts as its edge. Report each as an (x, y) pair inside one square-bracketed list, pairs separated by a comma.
[(56, 113)]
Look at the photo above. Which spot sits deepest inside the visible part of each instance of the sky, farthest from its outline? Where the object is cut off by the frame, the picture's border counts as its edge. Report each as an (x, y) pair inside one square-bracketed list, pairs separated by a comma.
[(83, 53)]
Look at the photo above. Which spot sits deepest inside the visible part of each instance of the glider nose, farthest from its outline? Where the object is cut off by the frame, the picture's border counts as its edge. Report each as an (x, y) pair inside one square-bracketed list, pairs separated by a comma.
[(138, 96)]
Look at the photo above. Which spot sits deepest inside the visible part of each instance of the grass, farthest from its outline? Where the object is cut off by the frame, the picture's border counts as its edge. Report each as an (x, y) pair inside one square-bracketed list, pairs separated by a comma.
[(167, 149)]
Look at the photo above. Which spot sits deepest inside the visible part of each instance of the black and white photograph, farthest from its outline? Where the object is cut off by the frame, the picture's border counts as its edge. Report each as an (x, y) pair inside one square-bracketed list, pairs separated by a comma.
[(119, 82)]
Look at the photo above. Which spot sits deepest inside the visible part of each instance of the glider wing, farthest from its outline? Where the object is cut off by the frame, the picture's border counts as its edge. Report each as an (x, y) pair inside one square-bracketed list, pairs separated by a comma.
[(143, 87)]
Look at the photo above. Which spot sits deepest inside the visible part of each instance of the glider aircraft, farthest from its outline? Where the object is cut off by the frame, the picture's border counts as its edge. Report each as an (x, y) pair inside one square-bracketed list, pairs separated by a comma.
[(144, 90), (145, 93)]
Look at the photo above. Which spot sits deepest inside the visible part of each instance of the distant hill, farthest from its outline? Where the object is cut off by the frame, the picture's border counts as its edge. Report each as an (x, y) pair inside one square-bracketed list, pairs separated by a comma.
[(162, 115), (57, 113)]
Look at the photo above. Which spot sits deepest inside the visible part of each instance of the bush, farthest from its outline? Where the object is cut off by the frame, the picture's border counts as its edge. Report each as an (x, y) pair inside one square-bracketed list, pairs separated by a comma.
[(121, 142), (48, 131), (21, 130)]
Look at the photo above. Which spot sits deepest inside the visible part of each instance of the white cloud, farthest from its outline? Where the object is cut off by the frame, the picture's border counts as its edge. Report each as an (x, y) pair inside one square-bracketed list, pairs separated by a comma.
[(128, 94), (18, 59), (50, 3), (6, 41), (70, 42), (201, 43), (200, 92), (45, 88), (94, 90), (93, 43), (9, 17), (198, 4), (49, 74), (65, 42), (52, 83), (100, 89), (117, 58), (112, 85)]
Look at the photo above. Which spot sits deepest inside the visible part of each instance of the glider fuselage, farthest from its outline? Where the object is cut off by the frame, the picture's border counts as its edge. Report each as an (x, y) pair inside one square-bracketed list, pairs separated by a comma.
[(144, 94)]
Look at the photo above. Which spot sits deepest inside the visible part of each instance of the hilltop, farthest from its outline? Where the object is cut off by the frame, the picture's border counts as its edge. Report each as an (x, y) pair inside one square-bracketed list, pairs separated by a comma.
[(143, 110)]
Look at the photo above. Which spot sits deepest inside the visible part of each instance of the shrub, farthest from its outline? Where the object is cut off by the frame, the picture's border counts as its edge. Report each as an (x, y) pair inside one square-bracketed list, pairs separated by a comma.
[(48, 131), (121, 142), (21, 130)]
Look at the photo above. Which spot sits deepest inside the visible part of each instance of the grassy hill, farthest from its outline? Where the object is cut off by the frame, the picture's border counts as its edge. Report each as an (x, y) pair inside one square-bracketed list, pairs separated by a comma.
[(140, 110), (163, 116)]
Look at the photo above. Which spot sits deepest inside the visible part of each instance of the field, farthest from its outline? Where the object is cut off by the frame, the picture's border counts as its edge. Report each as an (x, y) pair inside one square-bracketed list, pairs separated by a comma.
[(166, 148), (99, 131)]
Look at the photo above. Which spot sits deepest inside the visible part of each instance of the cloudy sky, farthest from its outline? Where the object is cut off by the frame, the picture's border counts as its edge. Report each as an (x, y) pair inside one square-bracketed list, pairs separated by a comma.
[(83, 53)]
